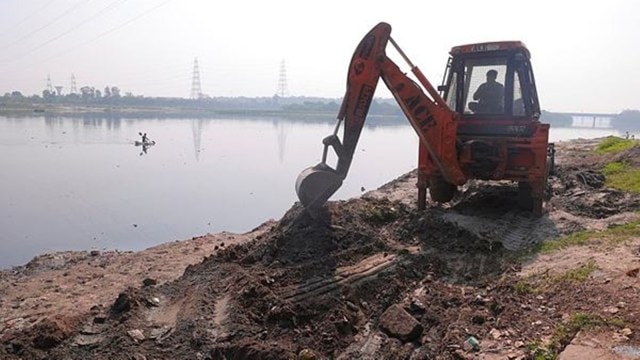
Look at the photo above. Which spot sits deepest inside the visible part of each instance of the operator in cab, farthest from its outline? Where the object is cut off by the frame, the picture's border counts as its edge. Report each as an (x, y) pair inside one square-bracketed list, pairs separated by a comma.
[(489, 96)]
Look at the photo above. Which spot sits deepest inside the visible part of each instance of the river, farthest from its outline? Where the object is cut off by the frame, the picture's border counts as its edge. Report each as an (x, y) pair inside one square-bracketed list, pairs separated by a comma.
[(81, 184)]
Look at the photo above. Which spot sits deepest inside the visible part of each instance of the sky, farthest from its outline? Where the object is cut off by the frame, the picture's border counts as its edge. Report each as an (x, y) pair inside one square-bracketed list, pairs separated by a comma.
[(585, 55)]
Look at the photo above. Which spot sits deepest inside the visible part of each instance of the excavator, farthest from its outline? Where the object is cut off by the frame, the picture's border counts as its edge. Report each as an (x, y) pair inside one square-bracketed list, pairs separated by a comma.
[(465, 132)]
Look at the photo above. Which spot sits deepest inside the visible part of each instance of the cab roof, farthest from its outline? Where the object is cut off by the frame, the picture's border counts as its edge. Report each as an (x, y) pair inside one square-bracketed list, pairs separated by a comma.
[(489, 46)]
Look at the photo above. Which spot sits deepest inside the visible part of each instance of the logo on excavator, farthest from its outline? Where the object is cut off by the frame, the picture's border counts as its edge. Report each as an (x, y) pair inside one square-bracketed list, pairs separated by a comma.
[(420, 112), (364, 100)]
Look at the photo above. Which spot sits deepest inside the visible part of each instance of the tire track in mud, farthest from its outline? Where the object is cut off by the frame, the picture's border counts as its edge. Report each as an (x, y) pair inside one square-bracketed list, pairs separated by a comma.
[(515, 231)]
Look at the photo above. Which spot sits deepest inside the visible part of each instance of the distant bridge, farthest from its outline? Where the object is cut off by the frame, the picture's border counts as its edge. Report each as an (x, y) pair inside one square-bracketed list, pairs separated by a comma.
[(590, 120)]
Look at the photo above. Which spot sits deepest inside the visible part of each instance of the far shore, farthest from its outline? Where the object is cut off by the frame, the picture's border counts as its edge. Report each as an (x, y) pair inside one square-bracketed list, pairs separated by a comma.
[(142, 111)]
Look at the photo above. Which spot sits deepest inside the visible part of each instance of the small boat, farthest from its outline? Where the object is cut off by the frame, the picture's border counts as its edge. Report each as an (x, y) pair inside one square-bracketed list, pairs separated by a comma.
[(144, 143)]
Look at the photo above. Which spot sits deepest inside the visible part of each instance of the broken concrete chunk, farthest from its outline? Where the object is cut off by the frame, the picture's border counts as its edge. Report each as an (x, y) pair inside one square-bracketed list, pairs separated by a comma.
[(397, 323), (136, 334)]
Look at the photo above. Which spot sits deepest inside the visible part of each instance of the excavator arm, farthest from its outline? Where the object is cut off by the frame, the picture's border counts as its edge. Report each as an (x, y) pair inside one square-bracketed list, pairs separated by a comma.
[(431, 118)]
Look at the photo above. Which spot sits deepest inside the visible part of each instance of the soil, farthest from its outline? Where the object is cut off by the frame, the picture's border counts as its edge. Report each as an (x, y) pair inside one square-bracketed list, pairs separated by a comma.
[(367, 278)]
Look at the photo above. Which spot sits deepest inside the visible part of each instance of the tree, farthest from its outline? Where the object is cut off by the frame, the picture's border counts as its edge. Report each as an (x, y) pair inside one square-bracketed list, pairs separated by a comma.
[(115, 92), (88, 92), (107, 92)]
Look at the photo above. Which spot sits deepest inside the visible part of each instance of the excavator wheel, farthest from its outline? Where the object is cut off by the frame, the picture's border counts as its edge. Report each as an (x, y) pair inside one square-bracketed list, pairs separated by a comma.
[(526, 201), (441, 191)]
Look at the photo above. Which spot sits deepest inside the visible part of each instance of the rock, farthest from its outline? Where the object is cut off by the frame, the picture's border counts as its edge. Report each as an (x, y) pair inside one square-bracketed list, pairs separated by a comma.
[(633, 272), (626, 332), (51, 332), (397, 323), (95, 253), (612, 310), (417, 306), (495, 333), (153, 301), (518, 344), (136, 334), (149, 282), (88, 340), (123, 303), (307, 354)]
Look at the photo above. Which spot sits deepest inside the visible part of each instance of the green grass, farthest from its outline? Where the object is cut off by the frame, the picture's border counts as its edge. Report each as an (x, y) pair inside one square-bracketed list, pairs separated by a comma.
[(575, 275), (539, 283), (614, 235), (622, 176), (574, 239), (565, 332), (615, 168), (613, 144)]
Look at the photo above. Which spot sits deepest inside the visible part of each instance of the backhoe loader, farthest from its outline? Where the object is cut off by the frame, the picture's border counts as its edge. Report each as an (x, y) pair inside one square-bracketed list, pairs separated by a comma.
[(468, 129)]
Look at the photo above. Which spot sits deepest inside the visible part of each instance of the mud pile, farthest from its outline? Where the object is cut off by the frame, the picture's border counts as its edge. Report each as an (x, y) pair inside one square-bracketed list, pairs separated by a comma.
[(369, 278)]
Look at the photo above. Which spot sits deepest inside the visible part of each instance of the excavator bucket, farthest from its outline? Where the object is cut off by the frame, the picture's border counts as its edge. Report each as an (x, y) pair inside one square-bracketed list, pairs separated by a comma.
[(316, 184)]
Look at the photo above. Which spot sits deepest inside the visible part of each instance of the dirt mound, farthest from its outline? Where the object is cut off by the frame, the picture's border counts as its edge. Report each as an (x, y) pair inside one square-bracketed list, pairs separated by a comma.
[(313, 287)]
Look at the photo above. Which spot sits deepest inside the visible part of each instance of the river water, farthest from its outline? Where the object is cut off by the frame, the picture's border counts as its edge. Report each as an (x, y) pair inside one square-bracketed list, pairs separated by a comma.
[(81, 184)]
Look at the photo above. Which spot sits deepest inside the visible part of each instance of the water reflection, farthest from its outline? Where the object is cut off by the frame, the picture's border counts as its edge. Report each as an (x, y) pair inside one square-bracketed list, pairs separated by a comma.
[(205, 175)]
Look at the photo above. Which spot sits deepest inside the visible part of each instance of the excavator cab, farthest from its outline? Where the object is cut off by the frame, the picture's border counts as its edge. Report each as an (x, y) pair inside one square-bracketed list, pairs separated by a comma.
[(514, 97)]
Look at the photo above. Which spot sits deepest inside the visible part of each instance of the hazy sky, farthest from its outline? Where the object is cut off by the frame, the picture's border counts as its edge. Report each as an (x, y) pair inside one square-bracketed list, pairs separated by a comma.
[(586, 55)]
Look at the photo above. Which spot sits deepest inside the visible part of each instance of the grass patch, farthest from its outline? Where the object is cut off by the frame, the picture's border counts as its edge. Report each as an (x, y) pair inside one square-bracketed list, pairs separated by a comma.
[(622, 177), (613, 144), (575, 275), (614, 235), (539, 283), (574, 239), (565, 332), (615, 168), (523, 287), (620, 233)]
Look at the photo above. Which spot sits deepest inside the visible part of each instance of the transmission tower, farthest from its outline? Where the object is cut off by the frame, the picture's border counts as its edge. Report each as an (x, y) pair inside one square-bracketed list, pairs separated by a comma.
[(73, 89), (196, 89), (282, 81), (49, 86)]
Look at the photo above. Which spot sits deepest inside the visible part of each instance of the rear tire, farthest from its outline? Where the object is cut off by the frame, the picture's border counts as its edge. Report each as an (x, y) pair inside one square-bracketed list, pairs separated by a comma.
[(441, 191), (525, 200)]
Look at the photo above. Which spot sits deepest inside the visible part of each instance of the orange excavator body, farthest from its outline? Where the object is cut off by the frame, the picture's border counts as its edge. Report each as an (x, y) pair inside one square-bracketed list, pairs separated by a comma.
[(459, 139)]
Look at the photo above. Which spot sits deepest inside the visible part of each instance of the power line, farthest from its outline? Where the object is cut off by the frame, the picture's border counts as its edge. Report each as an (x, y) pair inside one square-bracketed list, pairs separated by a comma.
[(73, 8), (128, 22), (105, 33), (93, 17), (32, 14)]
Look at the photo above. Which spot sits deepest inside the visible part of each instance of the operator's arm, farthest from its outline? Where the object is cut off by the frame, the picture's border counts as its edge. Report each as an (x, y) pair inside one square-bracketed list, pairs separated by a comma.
[(478, 94)]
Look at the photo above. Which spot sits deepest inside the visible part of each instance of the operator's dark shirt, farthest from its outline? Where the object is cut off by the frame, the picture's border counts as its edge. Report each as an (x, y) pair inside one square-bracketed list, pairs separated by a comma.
[(490, 97)]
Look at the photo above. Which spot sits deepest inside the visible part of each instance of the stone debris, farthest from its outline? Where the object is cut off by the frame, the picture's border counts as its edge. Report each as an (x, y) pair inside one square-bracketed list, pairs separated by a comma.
[(398, 323)]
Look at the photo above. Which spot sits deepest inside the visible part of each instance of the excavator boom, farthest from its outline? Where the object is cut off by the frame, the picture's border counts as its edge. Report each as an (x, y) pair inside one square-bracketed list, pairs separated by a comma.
[(430, 117)]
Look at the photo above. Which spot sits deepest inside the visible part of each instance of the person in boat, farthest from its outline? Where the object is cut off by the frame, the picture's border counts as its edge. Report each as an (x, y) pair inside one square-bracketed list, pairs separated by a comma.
[(145, 139)]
